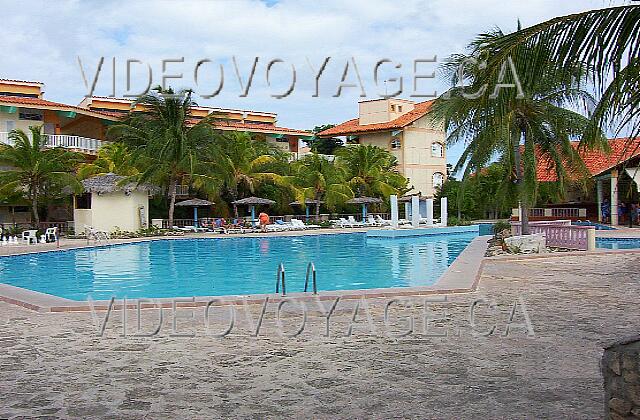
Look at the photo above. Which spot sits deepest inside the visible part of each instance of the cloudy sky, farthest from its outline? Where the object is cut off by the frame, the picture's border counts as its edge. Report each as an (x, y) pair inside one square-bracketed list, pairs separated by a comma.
[(43, 40)]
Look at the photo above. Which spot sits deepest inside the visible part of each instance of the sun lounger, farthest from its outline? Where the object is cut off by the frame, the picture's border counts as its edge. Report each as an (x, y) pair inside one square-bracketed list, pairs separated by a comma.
[(381, 221), (299, 224), (354, 223)]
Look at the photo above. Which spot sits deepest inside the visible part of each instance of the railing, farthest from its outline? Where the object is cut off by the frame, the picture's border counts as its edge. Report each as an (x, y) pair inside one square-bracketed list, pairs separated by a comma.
[(560, 234), (182, 190), (82, 144), (64, 228)]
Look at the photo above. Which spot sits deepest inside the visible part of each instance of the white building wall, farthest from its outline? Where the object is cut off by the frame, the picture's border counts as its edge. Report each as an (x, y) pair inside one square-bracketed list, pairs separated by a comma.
[(114, 210)]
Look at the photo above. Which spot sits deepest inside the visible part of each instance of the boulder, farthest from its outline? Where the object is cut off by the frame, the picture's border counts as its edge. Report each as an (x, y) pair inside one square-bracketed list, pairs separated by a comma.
[(527, 244)]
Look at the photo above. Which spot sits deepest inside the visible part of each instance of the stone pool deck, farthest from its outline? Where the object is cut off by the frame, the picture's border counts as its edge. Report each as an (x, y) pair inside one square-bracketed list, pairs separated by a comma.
[(57, 365)]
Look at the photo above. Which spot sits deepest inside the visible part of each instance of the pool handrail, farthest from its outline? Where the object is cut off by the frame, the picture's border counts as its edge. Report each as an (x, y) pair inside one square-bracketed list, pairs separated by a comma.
[(311, 269), (280, 275)]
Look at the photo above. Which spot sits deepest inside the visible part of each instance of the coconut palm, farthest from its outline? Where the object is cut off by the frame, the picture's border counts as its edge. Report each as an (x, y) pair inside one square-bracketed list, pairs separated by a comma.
[(321, 180), (604, 40), (166, 141), (237, 165), (371, 171), (113, 158), (510, 124), (34, 171)]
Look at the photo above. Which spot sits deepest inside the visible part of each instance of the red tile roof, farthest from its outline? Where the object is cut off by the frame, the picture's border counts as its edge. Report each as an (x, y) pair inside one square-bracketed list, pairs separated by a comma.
[(353, 126), (44, 104), (256, 128), (597, 162)]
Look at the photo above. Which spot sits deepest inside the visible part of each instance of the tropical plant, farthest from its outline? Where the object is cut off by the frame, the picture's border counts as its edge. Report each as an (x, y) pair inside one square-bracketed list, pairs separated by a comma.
[(514, 125), (324, 145), (321, 180), (606, 41), (237, 165), (34, 171), (371, 171), (113, 158), (166, 141)]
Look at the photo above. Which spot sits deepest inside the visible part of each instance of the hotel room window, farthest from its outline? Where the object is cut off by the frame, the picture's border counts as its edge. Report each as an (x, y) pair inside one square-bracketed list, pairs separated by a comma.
[(11, 125), (31, 115), (399, 108), (437, 150), (438, 179), (395, 144), (393, 108)]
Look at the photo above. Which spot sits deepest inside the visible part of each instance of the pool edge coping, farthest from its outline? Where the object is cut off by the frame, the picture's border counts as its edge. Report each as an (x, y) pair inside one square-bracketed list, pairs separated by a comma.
[(462, 276)]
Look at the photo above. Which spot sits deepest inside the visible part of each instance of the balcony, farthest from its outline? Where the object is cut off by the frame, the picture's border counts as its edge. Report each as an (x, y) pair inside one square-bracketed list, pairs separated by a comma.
[(84, 145)]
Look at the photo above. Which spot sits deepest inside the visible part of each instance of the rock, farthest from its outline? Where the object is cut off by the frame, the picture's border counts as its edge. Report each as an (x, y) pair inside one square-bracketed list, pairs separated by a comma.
[(525, 244), (614, 363), (620, 406)]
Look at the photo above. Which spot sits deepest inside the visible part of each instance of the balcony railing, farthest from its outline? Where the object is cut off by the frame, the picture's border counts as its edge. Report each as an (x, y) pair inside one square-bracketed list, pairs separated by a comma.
[(81, 144)]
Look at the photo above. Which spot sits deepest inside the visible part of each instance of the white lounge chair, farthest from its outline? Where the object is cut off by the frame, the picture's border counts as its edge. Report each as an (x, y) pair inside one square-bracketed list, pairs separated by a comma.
[(342, 223), (30, 236), (299, 224), (381, 221), (354, 223)]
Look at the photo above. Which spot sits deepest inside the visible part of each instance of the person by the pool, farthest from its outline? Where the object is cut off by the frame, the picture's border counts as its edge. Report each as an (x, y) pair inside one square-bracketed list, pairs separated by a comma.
[(264, 221)]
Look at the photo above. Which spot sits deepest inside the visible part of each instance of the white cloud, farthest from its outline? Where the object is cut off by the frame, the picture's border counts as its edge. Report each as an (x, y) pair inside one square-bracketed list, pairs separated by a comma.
[(42, 41)]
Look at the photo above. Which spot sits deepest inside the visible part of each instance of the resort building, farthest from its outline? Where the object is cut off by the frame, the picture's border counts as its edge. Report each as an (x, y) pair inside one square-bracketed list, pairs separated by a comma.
[(403, 128), (615, 179), (83, 128)]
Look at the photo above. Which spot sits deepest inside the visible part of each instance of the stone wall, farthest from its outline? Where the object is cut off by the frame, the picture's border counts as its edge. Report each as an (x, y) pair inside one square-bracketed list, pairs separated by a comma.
[(621, 372)]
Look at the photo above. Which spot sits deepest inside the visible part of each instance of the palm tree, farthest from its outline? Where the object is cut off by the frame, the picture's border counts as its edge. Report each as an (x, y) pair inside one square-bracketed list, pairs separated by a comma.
[(511, 125), (371, 171), (113, 158), (166, 141), (237, 164), (35, 171), (321, 180), (604, 40)]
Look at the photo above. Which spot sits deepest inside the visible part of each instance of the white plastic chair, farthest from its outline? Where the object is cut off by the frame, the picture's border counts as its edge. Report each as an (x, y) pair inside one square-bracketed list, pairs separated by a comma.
[(30, 236), (354, 223), (51, 234)]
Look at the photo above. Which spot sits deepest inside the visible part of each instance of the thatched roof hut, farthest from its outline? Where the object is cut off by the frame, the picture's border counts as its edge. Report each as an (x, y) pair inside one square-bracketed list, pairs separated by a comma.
[(307, 201), (254, 201), (195, 202), (108, 183), (364, 200), (407, 198)]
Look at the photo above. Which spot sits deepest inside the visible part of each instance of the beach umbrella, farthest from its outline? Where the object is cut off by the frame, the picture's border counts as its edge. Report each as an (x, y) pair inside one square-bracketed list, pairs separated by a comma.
[(252, 202), (195, 203), (307, 202), (364, 201)]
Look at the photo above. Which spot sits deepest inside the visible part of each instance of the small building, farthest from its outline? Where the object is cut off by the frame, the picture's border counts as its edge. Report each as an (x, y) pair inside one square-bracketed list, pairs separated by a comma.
[(615, 179), (403, 128), (109, 204)]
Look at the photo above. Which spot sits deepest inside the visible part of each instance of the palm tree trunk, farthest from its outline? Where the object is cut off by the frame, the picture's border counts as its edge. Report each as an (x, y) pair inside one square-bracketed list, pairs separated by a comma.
[(172, 198), (524, 222), (34, 209), (317, 198)]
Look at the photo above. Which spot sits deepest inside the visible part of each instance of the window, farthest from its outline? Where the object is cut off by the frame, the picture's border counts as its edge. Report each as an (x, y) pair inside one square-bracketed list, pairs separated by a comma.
[(438, 179), (399, 108), (49, 128), (11, 125), (395, 144), (83, 201), (437, 150), (31, 115)]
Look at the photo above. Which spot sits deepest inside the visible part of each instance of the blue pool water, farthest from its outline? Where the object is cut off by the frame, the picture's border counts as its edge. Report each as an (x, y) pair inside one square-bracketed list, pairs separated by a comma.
[(618, 243), (230, 266)]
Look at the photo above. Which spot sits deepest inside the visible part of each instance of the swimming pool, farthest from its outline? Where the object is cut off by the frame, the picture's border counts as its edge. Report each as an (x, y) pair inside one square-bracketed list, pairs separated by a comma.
[(618, 243), (234, 266)]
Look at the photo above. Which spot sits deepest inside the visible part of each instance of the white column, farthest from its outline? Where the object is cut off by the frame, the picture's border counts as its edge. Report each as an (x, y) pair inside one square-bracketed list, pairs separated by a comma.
[(614, 197), (394, 211), (407, 210), (599, 198), (443, 211), (415, 211), (429, 211)]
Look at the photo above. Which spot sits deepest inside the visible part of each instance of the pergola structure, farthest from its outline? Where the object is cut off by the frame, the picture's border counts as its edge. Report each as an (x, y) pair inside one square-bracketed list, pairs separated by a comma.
[(623, 184)]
